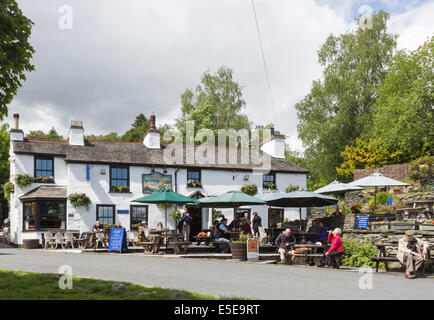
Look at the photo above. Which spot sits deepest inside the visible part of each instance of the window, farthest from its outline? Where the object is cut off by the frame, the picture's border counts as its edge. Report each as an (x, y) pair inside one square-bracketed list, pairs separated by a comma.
[(239, 213), (194, 178), (138, 214), (269, 181), (119, 179), (44, 215), (44, 167), (105, 214), (275, 216)]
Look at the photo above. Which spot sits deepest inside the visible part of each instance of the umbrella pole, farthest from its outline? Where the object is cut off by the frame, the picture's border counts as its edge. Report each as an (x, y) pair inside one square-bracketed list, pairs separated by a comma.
[(375, 200), (165, 222)]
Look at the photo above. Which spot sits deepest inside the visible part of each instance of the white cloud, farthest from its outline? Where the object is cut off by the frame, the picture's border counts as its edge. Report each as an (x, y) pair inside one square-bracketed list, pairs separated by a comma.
[(127, 57)]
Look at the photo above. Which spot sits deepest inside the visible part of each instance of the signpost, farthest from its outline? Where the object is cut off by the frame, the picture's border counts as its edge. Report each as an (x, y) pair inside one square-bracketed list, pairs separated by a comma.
[(252, 250), (118, 240), (362, 222)]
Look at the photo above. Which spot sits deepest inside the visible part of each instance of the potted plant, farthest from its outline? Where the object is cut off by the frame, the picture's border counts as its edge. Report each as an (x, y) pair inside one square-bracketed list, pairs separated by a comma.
[(292, 188), (194, 184), (79, 200), (8, 188), (251, 189), (120, 189), (23, 180), (269, 186), (239, 247)]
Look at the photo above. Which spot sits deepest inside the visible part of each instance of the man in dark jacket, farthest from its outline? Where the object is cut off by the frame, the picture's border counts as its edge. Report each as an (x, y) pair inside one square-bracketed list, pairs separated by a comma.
[(285, 244), (256, 223)]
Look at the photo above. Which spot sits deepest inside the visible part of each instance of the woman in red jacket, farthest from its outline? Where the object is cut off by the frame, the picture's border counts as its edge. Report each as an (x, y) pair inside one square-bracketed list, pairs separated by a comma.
[(336, 247)]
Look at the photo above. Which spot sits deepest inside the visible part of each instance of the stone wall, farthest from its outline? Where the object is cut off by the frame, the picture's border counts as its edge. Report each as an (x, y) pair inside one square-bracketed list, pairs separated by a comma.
[(395, 171)]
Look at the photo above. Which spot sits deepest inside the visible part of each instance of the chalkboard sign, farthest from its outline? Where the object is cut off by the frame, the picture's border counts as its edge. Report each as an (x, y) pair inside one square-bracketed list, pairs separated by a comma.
[(363, 222), (118, 240)]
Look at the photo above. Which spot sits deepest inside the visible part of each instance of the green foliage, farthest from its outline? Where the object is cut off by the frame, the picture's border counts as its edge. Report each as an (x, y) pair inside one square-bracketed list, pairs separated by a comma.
[(194, 184), (79, 200), (52, 135), (214, 104), (4, 162), (381, 199), (269, 186), (292, 188), (24, 180), (251, 189), (356, 254), (421, 167), (216, 215), (242, 238), (339, 108), (15, 51), (175, 215), (8, 188), (404, 109)]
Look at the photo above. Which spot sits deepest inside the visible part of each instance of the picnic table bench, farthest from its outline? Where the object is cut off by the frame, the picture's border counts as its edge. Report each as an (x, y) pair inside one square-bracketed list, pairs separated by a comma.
[(315, 254), (206, 240), (384, 256), (178, 246), (152, 245)]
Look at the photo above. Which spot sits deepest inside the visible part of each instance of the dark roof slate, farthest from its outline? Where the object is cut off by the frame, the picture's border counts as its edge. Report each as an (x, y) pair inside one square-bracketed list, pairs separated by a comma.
[(40, 192), (132, 153)]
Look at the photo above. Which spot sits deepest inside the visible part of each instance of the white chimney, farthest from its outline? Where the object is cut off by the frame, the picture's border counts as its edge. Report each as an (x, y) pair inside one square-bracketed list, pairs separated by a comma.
[(76, 133), (16, 134), (275, 146), (152, 137)]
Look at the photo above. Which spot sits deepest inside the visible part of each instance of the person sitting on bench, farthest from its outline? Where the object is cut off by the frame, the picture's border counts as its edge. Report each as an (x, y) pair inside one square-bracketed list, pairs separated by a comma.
[(98, 226), (411, 252), (336, 249), (285, 243), (221, 235)]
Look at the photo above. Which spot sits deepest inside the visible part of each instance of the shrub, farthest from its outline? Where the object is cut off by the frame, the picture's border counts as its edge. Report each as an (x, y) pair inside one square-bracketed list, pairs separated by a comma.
[(381, 199), (292, 188), (79, 200), (420, 167), (23, 180), (356, 254), (251, 189)]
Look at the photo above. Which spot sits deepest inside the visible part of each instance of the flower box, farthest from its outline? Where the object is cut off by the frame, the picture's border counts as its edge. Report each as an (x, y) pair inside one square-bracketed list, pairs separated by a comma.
[(194, 184), (120, 189), (43, 180)]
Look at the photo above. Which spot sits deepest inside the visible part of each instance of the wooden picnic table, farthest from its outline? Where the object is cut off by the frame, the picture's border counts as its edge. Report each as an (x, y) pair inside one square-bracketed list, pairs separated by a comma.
[(425, 203)]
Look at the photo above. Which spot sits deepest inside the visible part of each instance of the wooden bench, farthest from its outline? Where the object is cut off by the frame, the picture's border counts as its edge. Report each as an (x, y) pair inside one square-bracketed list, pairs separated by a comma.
[(386, 258), (178, 246), (153, 245), (206, 240), (336, 260)]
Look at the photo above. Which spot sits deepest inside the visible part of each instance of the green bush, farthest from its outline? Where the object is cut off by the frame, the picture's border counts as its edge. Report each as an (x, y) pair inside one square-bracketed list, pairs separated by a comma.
[(356, 254), (381, 199), (8, 188), (420, 167)]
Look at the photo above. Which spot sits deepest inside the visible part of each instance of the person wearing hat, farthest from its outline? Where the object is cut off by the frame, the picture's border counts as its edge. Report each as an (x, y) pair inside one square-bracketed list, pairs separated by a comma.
[(412, 252)]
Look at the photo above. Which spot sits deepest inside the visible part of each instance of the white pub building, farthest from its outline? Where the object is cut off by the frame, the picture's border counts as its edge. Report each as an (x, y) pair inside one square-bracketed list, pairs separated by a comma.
[(113, 174)]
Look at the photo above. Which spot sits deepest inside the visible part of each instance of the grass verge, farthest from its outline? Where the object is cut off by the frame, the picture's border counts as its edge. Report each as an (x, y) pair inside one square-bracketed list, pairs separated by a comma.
[(19, 285)]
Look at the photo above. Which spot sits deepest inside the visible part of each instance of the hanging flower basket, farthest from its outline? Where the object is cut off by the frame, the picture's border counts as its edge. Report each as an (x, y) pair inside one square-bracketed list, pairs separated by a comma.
[(23, 180), (250, 190), (79, 200)]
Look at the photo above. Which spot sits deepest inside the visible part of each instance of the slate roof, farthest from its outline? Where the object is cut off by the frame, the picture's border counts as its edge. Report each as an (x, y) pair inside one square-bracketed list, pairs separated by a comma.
[(52, 192), (133, 153)]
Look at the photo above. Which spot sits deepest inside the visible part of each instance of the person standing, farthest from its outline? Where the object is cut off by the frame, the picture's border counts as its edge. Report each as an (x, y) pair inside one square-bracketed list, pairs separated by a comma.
[(256, 223), (411, 252), (186, 226)]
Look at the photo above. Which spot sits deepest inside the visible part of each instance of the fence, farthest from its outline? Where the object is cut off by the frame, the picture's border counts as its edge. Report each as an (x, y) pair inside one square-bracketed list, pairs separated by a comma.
[(394, 171)]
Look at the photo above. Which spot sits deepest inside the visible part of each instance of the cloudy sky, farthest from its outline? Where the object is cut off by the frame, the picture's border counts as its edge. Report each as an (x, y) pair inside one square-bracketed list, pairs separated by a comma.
[(125, 57)]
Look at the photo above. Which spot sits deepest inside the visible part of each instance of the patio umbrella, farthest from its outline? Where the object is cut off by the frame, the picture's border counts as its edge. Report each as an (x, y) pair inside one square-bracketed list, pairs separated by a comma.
[(230, 199), (337, 187), (165, 197), (302, 199), (377, 180)]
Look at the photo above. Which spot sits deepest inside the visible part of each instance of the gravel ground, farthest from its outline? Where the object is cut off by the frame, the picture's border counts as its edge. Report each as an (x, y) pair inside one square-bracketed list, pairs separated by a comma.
[(221, 278)]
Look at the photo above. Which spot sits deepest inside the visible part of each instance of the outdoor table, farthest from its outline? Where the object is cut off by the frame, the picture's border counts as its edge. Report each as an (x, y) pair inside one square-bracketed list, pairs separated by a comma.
[(300, 235), (428, 203), (273, 233)]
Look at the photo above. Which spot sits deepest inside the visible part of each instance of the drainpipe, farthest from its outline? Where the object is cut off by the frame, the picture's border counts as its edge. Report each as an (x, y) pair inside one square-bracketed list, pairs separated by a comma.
[(176, 180)]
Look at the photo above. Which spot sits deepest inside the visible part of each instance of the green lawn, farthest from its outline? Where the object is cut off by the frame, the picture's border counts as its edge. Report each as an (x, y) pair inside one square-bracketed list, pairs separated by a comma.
[(40, 286)]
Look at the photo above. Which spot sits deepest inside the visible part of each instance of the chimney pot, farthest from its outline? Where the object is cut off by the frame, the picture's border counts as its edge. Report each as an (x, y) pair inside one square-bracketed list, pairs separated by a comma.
[(152, 121), (16, 121)]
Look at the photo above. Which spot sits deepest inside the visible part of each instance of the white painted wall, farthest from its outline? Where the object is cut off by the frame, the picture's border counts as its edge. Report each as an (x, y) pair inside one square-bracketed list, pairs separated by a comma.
[(97, 188)]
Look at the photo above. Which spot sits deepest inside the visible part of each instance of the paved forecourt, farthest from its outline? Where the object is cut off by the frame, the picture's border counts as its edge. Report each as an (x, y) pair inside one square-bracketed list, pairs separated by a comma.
[(225, 278)]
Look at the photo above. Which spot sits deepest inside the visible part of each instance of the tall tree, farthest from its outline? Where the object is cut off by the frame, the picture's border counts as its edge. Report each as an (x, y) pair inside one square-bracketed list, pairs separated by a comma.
[(340, 107), (139, 128), (215, 104), (404, 111), (4, 168), (15, 51), (52, 135)]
